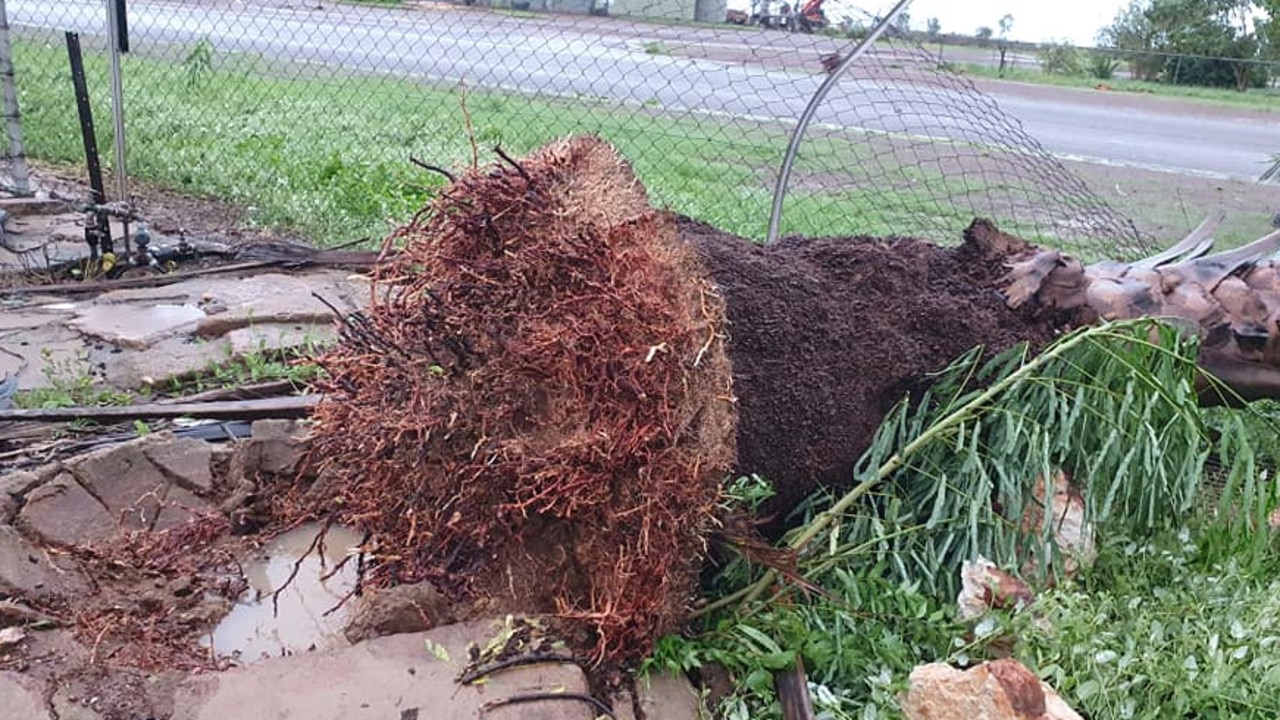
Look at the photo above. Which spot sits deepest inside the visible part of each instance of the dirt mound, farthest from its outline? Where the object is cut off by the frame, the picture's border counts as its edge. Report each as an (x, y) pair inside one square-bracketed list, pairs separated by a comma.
[(827, 334), (536, 410)]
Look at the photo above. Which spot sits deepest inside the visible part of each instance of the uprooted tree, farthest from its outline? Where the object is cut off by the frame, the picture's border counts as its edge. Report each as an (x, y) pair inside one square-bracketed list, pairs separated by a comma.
[(554, 378)]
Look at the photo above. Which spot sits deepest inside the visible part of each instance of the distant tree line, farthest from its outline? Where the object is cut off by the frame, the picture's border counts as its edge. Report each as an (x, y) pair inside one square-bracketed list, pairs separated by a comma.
[(1212, 43)]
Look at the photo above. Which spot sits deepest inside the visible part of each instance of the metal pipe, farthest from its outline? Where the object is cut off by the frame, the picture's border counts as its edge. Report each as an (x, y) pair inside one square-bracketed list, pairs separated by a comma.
[(17, 153), (117, 102), (116, 33), (97, 225), (780, 189)]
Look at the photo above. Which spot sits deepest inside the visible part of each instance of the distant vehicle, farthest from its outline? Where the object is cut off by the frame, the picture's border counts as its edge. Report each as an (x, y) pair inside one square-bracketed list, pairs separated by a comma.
[(807, 19)]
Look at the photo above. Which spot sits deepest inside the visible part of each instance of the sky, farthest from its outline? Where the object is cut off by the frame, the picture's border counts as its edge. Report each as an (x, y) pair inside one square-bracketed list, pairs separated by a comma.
[(1037, 21)]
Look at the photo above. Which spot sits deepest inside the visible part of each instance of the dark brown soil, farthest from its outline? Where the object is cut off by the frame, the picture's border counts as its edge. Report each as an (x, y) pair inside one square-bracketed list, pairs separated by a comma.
[(827, 334)]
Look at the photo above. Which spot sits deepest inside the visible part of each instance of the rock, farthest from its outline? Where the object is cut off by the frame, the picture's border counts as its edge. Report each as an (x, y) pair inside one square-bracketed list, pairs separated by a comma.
[(20, 482), (21, 697), (166, 359), (984, 586), (135, 327), (180, 507), (61, 512), (128, 484), (11, 636), (281, 445), (667, 696), (388, 677), (14, 487), (1072, 533), (396, 610), (274, 447), (29, 572), (998, 690), (8, 509), (277, 336), (188, 461)]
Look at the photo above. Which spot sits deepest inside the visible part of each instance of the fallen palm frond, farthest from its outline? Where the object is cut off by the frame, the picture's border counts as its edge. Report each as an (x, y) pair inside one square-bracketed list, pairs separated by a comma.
[(953, 474), (956, 473)]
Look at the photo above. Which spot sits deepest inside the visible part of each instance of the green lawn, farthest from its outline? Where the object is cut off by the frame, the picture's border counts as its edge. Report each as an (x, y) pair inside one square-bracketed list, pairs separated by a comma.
[(1264, 99), (327, 155)]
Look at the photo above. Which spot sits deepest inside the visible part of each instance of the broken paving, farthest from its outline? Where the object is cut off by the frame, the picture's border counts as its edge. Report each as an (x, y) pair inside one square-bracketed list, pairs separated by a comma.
[(100, 629)]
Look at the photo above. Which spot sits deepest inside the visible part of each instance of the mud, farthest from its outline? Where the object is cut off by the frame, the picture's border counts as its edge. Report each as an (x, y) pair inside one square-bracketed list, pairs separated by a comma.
[(308, 614)]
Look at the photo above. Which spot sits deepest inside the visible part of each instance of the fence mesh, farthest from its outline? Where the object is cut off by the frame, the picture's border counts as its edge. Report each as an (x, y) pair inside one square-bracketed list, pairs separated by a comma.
[(308, 113)]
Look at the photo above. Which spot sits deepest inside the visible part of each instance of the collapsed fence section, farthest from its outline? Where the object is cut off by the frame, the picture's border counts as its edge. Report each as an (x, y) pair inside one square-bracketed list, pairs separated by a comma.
[(309, 115)]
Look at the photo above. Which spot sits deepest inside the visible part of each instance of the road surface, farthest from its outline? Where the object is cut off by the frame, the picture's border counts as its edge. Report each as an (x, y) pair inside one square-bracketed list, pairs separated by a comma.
[(631, 62)]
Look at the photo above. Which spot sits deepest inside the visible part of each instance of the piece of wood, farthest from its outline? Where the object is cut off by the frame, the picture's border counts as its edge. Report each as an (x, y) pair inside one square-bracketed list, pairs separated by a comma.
[(792, 686), (101, 286), (283, 407), (274, 388)]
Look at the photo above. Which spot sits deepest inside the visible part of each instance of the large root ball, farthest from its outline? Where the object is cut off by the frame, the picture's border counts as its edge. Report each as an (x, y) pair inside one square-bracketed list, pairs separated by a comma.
[(536, 412)]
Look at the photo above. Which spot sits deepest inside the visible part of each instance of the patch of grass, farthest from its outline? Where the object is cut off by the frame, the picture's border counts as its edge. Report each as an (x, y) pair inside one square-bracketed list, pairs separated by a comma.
[(656, 47), (70, 382), (327, 156), (1263, 99), (1161, 629), (1178, 611), (376, 3), (265, 364)]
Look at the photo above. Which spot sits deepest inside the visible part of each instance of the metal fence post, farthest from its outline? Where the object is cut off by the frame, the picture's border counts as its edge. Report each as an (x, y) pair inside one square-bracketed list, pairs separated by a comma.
[(17, 155), (117, 101), (788, 160)]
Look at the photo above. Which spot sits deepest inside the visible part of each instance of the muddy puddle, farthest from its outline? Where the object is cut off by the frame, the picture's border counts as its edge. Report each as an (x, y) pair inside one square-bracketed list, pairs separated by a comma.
[(306, 618)]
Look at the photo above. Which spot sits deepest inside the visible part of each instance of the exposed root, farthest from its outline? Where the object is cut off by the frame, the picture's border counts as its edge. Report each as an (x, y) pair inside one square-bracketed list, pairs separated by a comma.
[(536, 409)]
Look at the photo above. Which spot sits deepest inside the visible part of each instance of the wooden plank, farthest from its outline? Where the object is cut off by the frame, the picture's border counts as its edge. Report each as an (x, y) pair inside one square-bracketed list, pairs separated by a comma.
[(293, 406)]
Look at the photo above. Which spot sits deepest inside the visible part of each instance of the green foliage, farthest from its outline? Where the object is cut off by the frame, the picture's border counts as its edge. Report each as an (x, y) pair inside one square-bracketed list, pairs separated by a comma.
[(70, 381), (1061, 59), (1158, 629), (1101, 65), (1210, 43), (197, 66), (251, 137), (261, 365), (946, 472), (858, 645), (945, 480)]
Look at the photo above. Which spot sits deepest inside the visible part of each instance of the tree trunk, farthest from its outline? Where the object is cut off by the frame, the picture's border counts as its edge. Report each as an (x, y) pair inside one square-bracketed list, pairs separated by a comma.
[(826, 335), (555, 377)]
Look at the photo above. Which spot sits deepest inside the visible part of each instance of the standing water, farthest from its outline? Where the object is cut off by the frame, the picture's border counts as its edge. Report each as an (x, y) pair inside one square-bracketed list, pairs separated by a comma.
[(252, 631)]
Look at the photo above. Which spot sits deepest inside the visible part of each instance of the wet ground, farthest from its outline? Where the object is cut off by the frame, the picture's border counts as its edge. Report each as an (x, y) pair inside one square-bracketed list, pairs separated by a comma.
[(295, 600)]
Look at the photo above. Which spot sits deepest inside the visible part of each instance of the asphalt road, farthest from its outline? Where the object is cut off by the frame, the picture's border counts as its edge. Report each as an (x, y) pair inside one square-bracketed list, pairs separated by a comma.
[(772, 77)]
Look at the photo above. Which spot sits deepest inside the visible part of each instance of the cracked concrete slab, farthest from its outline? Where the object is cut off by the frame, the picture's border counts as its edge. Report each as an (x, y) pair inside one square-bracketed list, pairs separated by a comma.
[(135, 338), (61, 512), (27, 571), (22, 698), (389, 677)]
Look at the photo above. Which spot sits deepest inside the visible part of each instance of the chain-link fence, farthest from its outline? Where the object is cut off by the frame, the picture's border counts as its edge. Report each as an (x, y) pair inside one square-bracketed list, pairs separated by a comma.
[(309, 112)]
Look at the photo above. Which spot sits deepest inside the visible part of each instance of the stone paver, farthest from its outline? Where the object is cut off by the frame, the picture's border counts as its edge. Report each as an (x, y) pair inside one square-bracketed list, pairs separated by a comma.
[(136, 327), (387, 678), (276, 336), (146, 336), (21, 698), (180, 506), (669, 697), (61, 512), (121, 476), (187, 460), (27, 571)]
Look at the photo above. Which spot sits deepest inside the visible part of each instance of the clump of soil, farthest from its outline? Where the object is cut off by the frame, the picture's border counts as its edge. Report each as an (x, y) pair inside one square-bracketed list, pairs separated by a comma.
[(535, 413), (826, 335)]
